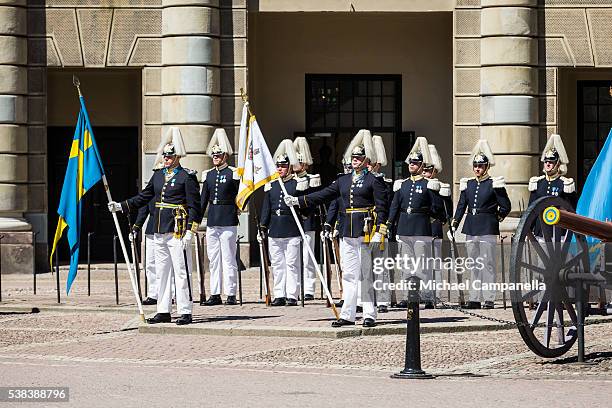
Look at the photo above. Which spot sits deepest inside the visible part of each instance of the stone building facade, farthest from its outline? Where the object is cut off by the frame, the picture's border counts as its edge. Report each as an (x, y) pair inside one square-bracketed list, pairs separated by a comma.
[(505, 70)]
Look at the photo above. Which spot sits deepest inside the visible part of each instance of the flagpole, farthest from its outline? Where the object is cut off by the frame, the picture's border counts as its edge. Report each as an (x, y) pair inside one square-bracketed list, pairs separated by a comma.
[(119, 234), (311, 253)]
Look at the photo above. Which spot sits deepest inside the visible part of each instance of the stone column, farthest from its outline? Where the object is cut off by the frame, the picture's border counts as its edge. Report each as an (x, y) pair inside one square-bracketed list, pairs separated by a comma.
[(509, 92), (13, 115), (190, 84), (17, 245)]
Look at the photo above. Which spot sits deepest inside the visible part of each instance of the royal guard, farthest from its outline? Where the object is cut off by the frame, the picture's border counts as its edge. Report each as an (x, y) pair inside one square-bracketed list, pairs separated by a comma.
[(312, 182), (219, 190), (553, 183), (485, 200), (415, 203), (279, 227), (364, 204), (177, 205), (445, 202)]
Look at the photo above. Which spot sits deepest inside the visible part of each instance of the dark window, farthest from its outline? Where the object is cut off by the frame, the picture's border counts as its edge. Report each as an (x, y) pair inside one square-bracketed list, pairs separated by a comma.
[(340, 105), (594, 123)]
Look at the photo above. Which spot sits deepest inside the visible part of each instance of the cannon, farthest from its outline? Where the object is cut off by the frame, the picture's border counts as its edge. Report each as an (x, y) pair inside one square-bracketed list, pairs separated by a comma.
[(551, 275)]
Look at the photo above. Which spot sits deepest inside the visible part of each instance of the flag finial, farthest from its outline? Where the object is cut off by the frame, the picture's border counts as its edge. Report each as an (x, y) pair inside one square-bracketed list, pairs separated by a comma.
[(77, 83)]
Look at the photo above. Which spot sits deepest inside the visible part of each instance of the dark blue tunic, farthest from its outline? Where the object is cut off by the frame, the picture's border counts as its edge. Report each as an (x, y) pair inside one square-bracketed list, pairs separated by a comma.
[(219, 191), (181, 189), (415, 202), (275, 214), (486, 203), (363, 198)]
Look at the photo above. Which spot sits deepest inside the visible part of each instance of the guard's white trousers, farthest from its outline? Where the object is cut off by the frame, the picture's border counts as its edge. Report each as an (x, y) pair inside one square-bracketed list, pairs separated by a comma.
[(351, 249), (168, 258), (310, 273), (482, 248), (417, 251), (152, 280), (286, 264), (221, 251)]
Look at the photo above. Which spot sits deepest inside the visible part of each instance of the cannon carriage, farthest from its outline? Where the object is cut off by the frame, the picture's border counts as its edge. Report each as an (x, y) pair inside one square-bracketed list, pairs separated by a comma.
[(552, 274)]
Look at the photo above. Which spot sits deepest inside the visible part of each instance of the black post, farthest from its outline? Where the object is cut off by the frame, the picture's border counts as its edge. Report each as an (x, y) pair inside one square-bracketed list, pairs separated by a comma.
[(89, 234), (321, 249), (239, 269), (57, 277), (412, 367), (580, 319), (188, 275), (302, 272), (116, 272), (503, 270), (33, 274)]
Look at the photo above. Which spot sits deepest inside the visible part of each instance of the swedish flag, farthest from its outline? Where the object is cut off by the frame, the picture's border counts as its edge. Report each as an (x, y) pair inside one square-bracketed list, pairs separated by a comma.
[(84, 170)]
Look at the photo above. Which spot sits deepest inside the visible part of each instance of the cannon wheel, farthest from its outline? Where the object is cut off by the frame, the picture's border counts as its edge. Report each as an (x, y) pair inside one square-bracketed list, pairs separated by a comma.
[(529, 260)]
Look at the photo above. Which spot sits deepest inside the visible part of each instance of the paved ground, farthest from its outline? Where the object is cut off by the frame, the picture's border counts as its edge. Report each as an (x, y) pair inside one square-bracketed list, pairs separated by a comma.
[(106, 361)]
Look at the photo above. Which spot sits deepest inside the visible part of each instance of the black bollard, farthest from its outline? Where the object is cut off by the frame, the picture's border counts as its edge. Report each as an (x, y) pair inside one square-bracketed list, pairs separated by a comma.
[(57, 277), (580, 319), (89, 234), (412, 367), (239, 269), (116, 272), (33, 272)]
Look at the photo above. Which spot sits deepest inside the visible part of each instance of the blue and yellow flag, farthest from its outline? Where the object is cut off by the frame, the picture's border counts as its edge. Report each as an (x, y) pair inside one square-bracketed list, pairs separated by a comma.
[(596, 198), (84, 170)]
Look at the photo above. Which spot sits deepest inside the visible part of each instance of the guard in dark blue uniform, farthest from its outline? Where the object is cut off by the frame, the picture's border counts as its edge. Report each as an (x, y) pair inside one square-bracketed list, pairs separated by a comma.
[(415, 203), (312, 223), (365, 214), (278, 225), (177, 202), (486, 202), (219, 190), (445, 204), (553, 183)]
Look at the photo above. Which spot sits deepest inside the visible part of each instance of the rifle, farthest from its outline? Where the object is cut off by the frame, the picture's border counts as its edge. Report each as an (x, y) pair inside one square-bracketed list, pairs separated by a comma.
[(454, 252), (265, 262), (336, 253), (200, 269), (326, 254)]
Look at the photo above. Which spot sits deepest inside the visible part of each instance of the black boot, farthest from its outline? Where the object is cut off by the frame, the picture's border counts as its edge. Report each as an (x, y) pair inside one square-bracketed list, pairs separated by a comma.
[(280, 301), (160, 318), (429, 305), (292, 302), (488, 305), (149, 301), (473, 305), (382, 309), (184, 319), (213, 300), (342, 322), (403, 304), (308, 297), (369, 322), (231, 300), (340, 303)]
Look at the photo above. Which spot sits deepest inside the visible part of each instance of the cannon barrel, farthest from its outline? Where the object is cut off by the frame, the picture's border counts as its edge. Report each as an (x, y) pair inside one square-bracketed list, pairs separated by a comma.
[(578, 223)]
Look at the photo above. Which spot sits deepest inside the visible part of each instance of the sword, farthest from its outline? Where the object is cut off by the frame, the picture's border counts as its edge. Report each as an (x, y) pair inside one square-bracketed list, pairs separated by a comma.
[(188, 276), (200, 269)]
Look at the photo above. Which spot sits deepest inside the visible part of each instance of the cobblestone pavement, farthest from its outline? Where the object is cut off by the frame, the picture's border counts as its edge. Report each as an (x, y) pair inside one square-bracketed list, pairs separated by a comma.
[(107, 362)]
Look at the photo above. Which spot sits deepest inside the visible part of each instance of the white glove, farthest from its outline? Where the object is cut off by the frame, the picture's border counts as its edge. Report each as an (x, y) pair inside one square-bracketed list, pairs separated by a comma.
[(291, 201), (324, 235), (186, 241), (132, 236), (259, 238), (377, 237), (114, 206), (335, 233)]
